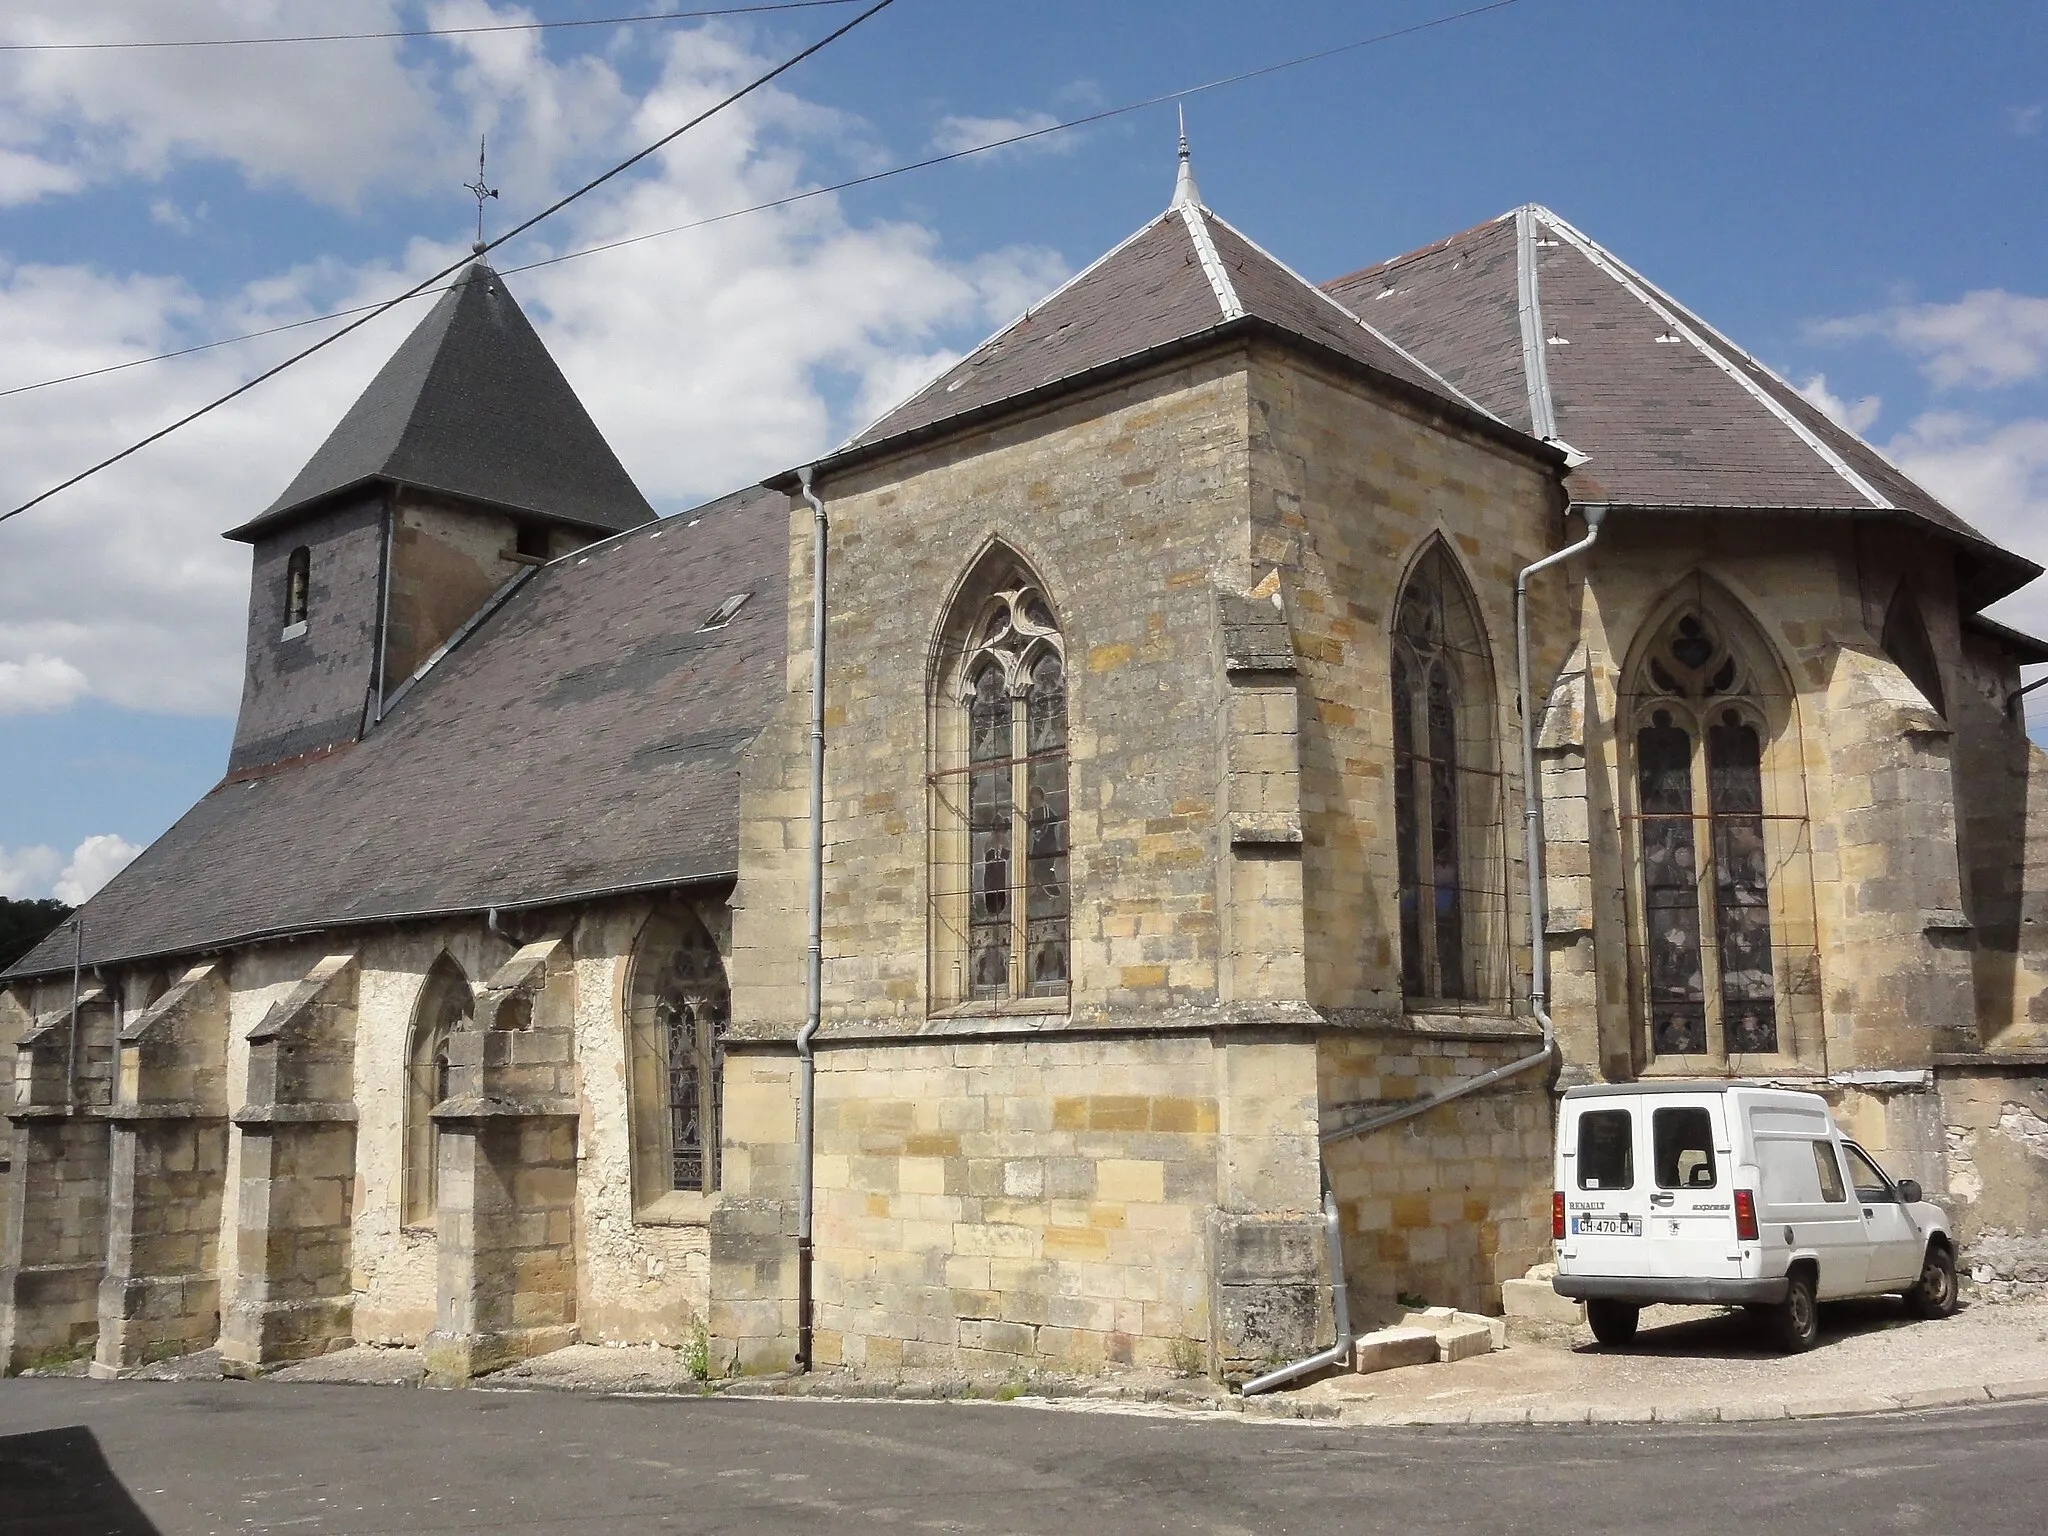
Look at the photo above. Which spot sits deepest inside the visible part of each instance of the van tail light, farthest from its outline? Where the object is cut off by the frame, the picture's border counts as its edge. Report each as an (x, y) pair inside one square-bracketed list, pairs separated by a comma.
[(1557, 1216), (1745, 1215)]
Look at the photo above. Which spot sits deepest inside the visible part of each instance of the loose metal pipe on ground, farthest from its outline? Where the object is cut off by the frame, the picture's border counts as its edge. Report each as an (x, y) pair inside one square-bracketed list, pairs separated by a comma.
[(814, 955), (1539, 977)]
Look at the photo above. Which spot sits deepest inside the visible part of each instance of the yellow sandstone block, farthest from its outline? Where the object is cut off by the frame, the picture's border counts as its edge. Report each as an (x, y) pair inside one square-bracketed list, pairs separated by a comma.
[(1121, 1179)]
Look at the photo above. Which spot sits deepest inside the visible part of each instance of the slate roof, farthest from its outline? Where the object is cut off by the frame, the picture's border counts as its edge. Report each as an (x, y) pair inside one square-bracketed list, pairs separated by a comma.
[(471, 404), (1668, 411), (1185, 279), (585, 739)]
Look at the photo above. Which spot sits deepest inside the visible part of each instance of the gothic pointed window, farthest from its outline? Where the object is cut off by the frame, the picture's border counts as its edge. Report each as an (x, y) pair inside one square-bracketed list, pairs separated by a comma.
[(1447, 824), (1713, 967), (678, 1007), (445, 1005), (1000, 878)]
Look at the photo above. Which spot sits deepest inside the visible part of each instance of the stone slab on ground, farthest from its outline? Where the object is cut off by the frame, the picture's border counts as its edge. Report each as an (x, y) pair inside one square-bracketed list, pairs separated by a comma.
[(601, 1368), (1537, 1300), (1387, 1349)]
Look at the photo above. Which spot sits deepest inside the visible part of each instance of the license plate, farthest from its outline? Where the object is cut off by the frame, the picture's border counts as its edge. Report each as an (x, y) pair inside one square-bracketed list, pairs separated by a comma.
[(1607, 1226)]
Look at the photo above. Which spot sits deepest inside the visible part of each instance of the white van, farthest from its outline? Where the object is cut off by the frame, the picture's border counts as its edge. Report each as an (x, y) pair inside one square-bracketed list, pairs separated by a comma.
[(1722, 1192)]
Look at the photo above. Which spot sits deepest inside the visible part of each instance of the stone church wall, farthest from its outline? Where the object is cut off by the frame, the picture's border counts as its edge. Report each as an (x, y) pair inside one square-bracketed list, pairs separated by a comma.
[(1443, 1207)]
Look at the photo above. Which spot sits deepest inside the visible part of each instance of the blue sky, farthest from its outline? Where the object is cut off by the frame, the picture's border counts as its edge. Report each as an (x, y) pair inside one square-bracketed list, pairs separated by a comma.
[(1855, 191)]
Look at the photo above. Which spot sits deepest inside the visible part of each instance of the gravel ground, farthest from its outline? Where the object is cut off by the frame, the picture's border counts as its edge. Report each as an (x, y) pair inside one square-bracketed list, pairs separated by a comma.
[(1689, 1362)]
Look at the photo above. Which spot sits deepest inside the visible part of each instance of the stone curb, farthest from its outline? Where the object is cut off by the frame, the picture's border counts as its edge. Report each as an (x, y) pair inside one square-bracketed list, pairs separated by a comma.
[(1761, 1410)]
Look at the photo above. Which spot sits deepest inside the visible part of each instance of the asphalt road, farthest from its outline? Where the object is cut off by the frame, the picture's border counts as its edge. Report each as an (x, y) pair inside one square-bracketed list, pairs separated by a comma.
[(246, 1457)]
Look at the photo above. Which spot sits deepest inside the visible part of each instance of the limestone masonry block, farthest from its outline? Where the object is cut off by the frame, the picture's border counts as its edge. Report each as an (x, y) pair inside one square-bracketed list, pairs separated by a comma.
[(1387, 1349)]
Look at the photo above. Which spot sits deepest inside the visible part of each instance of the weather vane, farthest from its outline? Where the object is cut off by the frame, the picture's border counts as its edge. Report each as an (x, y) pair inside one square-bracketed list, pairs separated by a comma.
[(479, 191)]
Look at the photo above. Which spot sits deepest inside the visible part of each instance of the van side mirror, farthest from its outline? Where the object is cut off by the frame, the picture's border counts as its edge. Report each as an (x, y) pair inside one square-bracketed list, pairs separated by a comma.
[(1909, 1191)]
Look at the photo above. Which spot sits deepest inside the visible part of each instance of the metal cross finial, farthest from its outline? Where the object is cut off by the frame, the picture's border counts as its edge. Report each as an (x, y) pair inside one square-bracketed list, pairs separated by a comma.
[(479, 191)]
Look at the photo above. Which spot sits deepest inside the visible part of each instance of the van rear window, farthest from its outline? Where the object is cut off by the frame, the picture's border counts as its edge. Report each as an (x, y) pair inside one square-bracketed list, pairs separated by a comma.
[(1682, 1141), (1607, 1150)]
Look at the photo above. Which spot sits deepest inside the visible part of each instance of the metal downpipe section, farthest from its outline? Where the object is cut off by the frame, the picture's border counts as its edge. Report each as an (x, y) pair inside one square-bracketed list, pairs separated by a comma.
[(1340, 1307), (814, 953), (1539, 977)]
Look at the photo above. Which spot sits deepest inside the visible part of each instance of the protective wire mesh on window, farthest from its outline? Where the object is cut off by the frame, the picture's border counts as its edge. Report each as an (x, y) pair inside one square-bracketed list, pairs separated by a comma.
[(1449, 853), (445, 1006), (677, 1016), (1000, 883), (1715, 972)]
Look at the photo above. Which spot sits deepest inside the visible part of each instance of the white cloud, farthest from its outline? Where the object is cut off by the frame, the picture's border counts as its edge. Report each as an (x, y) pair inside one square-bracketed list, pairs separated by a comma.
[(93, 863), (1996, 475), (328, 120), (1853, 415), (954, 134), (708, 358), (2025, 122), (25, 873), (39, 683), (1983, 340)]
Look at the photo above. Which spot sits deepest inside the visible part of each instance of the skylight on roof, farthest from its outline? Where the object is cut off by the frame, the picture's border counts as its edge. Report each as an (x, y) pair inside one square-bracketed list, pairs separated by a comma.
[(725, 612)]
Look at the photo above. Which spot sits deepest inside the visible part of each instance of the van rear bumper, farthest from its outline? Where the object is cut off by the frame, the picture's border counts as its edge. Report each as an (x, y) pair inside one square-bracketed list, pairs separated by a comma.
[(1647, 1289)]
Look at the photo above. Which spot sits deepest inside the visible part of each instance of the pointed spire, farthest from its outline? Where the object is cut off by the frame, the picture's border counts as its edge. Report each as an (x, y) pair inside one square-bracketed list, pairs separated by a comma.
[(1185, 193)]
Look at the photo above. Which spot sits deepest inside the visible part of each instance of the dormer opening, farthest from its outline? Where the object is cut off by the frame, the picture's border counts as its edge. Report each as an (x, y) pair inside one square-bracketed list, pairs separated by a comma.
[(533, 540), (298, 591)]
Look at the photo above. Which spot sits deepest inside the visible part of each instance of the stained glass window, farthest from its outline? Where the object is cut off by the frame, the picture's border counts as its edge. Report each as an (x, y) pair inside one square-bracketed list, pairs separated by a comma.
[(1438, 672), (1707, 865), (444, 1007), (1017, 875), (677, 1019)]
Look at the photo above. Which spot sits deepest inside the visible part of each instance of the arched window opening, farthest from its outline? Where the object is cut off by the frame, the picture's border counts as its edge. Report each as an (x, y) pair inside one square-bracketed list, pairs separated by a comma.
[(298, 586), (1905, 640), (1449, 854), (445, 1006), (1725, 923), (1000, 883), (678, 1008)]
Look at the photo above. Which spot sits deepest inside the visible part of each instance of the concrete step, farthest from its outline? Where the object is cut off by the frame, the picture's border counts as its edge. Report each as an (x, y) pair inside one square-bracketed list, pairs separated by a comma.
[(1387, 1349)]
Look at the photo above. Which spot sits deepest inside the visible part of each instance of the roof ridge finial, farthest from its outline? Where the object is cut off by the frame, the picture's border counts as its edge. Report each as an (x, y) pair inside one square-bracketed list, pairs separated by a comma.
[(1185, 193), (479, 191)]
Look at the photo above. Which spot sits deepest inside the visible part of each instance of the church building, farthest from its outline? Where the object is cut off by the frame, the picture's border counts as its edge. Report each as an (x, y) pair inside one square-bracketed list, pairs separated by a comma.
[(1156, 943)]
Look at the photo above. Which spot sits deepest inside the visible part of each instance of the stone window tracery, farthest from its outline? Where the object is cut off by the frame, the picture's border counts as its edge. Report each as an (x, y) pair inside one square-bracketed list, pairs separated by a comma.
[(678, 1008), (1001, 870), (1714, 970), (445, 1005), (1447, 824)]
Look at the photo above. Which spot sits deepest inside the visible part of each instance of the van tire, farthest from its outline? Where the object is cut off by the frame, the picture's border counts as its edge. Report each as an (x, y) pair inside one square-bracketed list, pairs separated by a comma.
[(1935, 1296), (1795, 1321), (1613, 1322)]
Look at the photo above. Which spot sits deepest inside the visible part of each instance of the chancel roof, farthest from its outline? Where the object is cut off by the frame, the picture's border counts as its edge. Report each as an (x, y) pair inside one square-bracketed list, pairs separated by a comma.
[(1184, 279), (585, 739), (1558, 336), (471, 404)]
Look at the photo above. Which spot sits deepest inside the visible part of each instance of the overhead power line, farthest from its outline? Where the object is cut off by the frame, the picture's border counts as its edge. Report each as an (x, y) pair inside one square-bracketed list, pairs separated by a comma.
[(448, 271), (794, 197), (363, 37)]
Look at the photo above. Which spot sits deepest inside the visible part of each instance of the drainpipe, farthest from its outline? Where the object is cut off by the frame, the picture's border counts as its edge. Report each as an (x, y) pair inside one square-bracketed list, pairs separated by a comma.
[(71, 1055), (1539, 976), (814, 954)]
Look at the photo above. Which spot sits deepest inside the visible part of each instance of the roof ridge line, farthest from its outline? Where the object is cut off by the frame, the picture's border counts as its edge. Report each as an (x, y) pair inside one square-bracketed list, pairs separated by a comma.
[(1191, 215), (1529, 311), (1668, 309), (997, 334), (1371, 330)]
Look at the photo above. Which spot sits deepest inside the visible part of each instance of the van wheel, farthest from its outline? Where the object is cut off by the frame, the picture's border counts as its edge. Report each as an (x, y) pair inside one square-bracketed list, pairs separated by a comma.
[(1613, 1322), (1935, 1295), (1796, 1320)]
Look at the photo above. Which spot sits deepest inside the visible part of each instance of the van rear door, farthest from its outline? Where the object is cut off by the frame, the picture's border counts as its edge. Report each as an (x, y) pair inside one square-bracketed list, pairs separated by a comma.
[(1690, 1230), (1604, 1198)]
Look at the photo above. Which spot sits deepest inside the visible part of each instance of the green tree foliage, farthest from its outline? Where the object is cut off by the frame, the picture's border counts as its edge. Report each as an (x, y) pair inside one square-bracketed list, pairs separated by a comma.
[(23, 925)]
